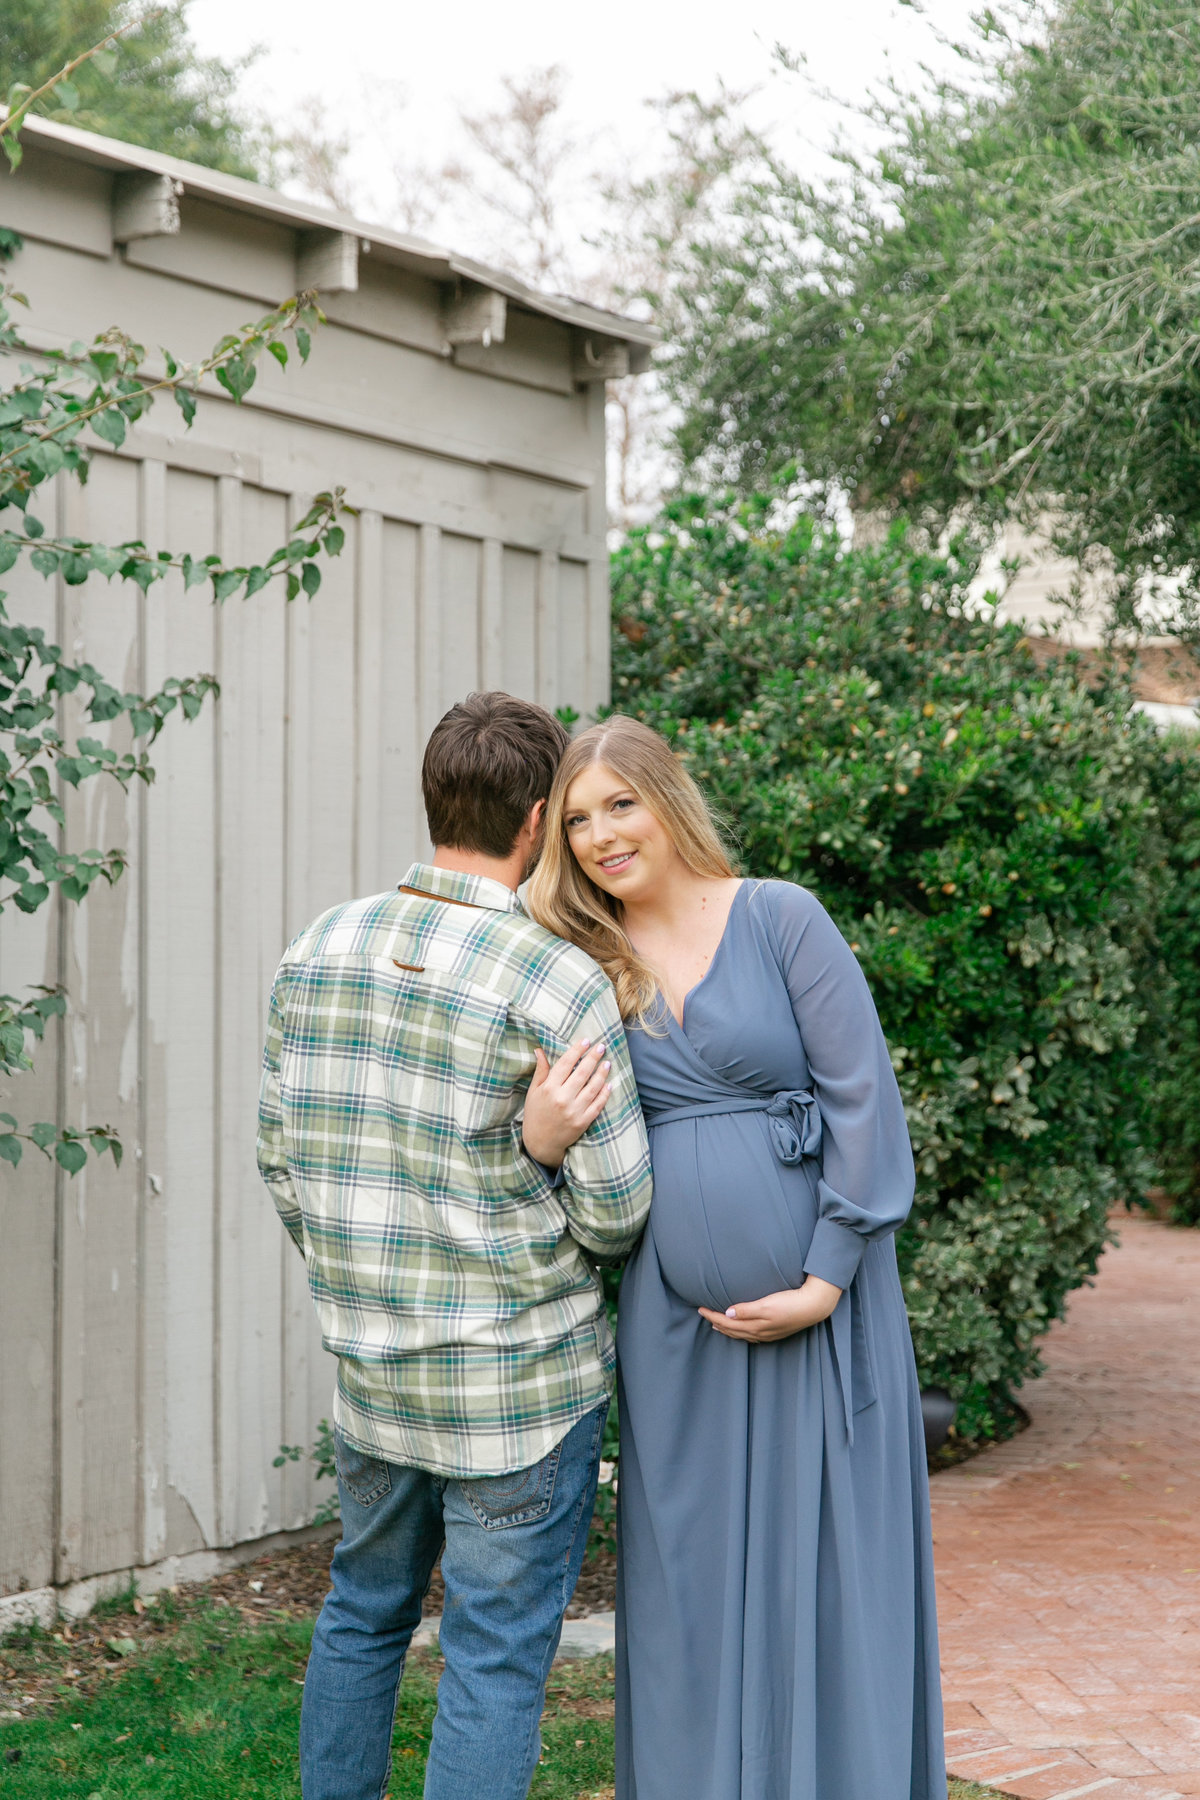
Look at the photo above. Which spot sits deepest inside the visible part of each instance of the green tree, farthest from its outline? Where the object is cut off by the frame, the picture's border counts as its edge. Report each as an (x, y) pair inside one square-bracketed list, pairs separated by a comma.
[(157, 90), (996, 313)]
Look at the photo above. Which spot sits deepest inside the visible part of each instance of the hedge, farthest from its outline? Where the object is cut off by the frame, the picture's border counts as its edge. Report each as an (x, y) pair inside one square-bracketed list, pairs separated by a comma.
[(994, 838), (1177, 980)]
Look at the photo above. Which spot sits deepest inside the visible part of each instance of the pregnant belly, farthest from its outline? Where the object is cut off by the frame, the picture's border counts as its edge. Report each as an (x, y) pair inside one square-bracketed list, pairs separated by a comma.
[(729, 1221)]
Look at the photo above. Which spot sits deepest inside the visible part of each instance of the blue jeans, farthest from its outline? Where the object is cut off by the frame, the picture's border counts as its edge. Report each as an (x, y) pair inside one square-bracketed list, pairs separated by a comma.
[(514, 1545)]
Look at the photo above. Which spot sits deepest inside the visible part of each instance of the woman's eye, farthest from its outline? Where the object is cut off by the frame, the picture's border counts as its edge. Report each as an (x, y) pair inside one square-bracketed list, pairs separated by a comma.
[(573, 821), (618, 804)]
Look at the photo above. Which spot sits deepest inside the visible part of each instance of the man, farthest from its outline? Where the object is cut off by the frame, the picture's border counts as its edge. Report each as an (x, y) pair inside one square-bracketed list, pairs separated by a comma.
[(406, 1095)]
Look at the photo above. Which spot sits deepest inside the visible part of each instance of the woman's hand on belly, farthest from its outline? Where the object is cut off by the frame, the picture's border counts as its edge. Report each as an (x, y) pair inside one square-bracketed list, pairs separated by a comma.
[(776, 1316)]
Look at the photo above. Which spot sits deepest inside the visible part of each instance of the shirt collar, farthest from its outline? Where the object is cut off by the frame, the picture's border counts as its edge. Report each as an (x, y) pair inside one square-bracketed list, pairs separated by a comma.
[(475, 890)]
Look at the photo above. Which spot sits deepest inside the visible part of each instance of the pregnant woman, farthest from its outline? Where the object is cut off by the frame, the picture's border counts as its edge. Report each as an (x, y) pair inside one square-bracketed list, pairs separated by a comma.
[(776, 1635)]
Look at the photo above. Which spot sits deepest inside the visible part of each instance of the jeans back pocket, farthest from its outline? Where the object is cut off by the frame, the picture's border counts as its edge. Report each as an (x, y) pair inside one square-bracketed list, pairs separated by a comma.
[(365, 1478), (499, 1501)]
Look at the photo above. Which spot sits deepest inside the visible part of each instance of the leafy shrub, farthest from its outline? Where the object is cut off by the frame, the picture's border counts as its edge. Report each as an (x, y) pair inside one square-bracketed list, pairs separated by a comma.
[(984, 832), (1177, 1091)]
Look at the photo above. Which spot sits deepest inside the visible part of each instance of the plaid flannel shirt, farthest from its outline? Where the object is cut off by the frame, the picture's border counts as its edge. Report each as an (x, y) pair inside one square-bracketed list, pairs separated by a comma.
[(454, 1280)]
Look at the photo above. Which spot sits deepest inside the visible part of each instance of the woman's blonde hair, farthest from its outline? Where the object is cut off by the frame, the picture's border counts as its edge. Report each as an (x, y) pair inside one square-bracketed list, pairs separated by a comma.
[(568, 902)]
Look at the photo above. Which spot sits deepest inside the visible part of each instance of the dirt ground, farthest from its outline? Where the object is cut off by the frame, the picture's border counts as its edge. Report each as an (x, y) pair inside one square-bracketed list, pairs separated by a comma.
[(297, 1580)]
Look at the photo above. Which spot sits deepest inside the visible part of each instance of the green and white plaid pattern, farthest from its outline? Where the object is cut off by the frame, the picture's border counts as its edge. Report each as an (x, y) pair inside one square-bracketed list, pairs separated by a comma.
[(453, 1281)]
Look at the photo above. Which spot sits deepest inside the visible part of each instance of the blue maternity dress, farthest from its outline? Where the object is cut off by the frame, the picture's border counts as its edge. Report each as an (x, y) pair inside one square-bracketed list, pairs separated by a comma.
[(776, 1632)]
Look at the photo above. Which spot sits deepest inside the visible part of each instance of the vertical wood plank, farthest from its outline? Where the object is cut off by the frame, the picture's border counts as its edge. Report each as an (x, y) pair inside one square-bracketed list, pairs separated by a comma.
[(100, 1437), (369, 876), (572, 684), (491, 615), (429, 629), (547, 630), (520, 622), (321, 773), (252, 890), (460, 583), (180, 1058), (599, 633), (152, 893), (402, 828), (29, 955)]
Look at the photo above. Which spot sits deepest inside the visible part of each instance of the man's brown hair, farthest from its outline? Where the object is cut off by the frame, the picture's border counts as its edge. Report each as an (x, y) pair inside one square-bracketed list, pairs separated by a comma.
[(487, 763)]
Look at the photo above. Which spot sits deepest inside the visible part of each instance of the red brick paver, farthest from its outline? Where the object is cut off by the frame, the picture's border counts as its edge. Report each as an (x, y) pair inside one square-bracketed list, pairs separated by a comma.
[(1069, 1559)]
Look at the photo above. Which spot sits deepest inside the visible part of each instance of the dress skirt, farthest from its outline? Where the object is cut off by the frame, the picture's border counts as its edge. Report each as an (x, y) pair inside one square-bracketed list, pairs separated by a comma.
[(776, 1628)]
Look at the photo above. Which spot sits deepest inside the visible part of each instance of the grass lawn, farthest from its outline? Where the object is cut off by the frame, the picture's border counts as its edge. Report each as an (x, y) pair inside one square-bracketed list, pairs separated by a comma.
[(208, 1708)]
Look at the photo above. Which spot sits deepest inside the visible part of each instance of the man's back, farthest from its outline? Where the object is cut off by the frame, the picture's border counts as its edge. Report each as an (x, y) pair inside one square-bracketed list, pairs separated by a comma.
[(449, 1271)]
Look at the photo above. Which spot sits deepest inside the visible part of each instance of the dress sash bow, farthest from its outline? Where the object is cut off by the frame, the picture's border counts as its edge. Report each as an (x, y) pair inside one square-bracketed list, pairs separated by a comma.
[(792, 1114)]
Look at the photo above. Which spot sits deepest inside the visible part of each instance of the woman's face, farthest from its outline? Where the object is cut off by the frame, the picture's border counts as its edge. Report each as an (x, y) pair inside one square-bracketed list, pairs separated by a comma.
[(615, 838)]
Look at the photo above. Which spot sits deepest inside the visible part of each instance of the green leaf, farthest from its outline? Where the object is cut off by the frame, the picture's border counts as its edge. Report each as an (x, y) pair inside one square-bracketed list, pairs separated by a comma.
[(47, 458), (186, 401), (303, 343), (105, 63), (256, 579), (15, 155), (279, 352), (226, 582), (43, 1134), (9, 553), (237, 376), (71, 1155), (45, 561), (67, 95), (335, 537), (145, 573), (30, 895), (310, 578), (293, 585), (10, 1145), (110, 425)]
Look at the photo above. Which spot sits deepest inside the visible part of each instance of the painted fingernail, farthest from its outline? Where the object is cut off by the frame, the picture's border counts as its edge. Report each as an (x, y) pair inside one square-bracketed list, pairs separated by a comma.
[(731, 1312), (586, 1042), (608, 1065)]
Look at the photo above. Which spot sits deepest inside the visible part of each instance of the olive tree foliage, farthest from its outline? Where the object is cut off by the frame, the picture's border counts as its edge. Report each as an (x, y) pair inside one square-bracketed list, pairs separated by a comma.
[(995, 313), (54, 406)]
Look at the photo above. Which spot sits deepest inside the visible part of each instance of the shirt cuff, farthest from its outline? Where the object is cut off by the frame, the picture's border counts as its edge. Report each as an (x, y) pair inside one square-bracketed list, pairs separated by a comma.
[(556, 1177), (835, 1253)]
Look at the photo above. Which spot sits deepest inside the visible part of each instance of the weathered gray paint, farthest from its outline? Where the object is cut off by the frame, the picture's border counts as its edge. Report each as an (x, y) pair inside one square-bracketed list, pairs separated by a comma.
[(156, 1337)]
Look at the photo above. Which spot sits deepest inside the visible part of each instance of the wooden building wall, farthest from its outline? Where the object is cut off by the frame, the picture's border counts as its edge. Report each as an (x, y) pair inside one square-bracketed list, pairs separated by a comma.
[(157, 1342)]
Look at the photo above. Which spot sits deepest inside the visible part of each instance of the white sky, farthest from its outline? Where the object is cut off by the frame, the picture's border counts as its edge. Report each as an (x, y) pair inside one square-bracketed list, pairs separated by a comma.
[(392, 76)]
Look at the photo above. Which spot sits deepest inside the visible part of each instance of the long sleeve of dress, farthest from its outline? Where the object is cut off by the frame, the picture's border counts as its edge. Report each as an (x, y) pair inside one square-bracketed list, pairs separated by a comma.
[(867, 1181)]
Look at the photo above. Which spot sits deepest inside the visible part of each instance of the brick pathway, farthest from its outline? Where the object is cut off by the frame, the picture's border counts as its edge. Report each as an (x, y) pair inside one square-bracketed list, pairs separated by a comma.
[(1069, 1559)]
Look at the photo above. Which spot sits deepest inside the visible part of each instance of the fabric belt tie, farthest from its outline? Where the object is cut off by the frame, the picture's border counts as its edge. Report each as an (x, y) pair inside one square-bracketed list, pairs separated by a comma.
[(792, 1114), (795, 1124)]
